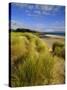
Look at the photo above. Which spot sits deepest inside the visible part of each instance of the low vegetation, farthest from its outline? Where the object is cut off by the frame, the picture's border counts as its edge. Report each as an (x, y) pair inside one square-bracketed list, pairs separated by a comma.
[(59, 49), (32, 63)]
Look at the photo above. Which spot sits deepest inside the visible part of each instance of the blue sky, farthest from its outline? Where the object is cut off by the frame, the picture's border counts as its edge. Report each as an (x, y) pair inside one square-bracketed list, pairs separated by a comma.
[(38, 17)]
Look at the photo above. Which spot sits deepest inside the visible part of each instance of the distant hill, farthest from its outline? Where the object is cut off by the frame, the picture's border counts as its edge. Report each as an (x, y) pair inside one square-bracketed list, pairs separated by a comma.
[(23, 30)]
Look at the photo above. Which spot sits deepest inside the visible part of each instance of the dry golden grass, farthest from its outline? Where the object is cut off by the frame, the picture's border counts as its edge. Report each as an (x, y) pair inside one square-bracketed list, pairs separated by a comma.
[(32, 63)]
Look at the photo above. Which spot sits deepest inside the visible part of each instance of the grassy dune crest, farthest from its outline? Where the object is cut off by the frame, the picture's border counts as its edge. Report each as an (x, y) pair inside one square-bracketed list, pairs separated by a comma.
[(32, 63)]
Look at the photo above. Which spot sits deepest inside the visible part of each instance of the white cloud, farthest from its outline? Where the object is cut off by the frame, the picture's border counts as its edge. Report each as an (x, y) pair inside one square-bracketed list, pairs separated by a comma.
[(16, 24), (38, 9), (30, 6), (46, 7), (49, 7), (37, 12), (39, 26), (19, 4), (57, 24)]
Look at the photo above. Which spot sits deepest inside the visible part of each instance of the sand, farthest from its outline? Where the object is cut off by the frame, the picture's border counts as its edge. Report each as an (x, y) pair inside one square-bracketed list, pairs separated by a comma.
[(50, 39)]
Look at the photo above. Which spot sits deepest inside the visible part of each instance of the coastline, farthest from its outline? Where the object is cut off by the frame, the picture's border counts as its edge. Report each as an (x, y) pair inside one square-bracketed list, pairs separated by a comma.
[(54, 36)]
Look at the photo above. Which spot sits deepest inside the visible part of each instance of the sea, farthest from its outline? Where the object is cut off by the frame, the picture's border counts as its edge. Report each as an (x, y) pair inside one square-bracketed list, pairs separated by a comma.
[(56, 33)]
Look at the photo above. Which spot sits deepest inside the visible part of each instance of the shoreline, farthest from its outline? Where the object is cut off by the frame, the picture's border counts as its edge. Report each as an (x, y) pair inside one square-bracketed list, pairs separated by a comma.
[(54, 36)]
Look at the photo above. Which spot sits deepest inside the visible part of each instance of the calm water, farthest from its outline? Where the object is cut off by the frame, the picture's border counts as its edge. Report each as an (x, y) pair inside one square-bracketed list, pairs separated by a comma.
[(56, 33)]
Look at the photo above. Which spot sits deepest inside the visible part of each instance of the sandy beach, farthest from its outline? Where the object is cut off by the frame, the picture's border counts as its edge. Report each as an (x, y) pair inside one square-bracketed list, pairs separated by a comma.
[(50, 39)]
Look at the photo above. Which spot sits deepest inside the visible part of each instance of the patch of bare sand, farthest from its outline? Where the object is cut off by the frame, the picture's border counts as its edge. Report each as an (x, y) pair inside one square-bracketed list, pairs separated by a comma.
[(51, 40)]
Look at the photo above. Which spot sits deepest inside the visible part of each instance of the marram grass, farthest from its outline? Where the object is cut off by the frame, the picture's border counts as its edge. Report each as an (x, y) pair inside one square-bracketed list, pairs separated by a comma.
[(32, 63)]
